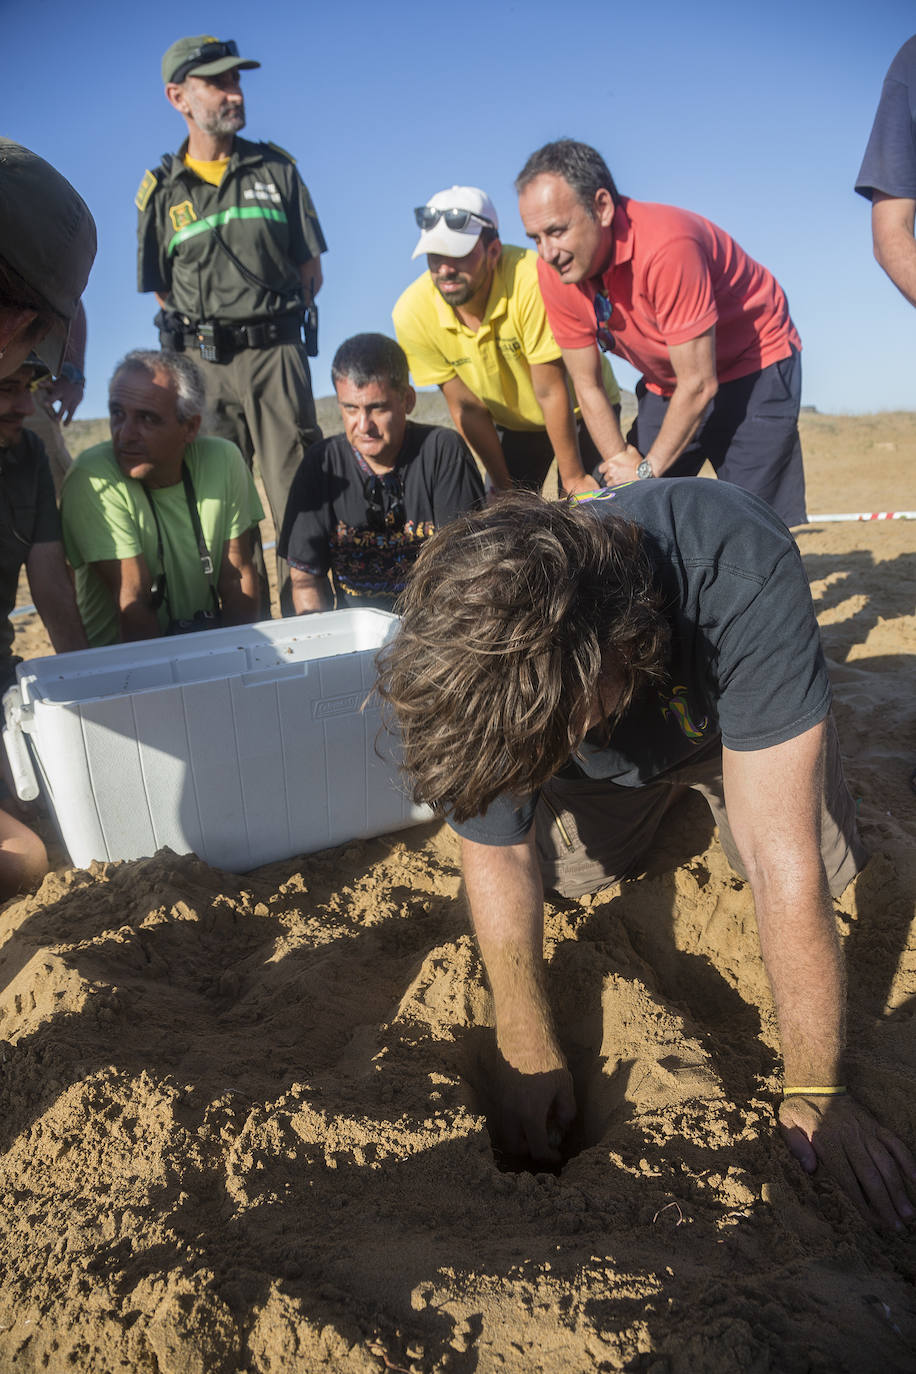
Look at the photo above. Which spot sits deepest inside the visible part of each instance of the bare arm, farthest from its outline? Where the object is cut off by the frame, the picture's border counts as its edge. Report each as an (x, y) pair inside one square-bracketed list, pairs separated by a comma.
[(773, 798), (52, 592), (128, 582), (507, 907), (584, 367), (892, 223), (312, 277), (548, 381), (68, 395), (475, 425), (310, 594), (239, 590), (694, 366)]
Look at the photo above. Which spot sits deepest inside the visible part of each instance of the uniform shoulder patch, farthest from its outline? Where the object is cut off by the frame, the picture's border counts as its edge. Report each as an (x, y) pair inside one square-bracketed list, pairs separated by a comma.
[(145, 190), (277, 149)]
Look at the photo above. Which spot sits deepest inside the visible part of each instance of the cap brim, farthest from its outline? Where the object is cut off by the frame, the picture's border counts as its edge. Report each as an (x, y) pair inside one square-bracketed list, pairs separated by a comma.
[(52, 347), (448, 243), (223, 64)]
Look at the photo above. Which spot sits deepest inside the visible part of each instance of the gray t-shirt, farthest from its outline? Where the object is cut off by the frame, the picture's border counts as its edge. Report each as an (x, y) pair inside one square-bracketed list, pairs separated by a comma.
[(745, 661), (889, 164)]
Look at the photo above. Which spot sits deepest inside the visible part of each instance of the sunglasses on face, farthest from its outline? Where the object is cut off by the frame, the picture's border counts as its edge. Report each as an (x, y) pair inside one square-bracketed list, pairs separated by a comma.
[(14, 388), (604, 309), (428, 217), (382, 514), (207, 52)]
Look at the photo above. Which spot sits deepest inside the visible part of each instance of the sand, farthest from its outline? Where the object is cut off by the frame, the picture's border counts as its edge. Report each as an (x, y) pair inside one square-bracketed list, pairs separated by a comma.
[(244, 1118)]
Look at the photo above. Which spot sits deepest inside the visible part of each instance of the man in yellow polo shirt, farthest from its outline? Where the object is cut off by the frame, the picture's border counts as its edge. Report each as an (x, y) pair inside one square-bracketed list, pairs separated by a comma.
[(475, 325)]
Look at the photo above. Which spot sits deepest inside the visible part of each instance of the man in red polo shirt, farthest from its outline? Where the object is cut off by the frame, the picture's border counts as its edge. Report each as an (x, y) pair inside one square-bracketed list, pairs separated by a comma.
[(707, 326)]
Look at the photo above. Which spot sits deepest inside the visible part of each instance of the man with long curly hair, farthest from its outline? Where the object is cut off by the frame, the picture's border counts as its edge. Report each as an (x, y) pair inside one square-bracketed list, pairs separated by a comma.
[(561, 674)]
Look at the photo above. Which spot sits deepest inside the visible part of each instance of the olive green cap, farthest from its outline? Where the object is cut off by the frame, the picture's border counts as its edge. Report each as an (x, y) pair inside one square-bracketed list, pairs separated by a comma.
[(202, 55), (47, 239)]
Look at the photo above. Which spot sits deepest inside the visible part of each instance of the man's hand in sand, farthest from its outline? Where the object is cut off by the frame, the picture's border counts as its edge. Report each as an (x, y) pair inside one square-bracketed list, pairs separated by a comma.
[(870, 1164), (536, 1108)]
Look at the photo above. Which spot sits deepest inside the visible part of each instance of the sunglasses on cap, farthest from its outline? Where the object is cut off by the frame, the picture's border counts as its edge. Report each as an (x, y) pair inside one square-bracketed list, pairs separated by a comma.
[(427, 217), (207, 52)]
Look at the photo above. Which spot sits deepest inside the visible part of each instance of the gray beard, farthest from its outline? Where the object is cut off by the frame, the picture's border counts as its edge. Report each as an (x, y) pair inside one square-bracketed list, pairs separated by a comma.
[(225, 123)]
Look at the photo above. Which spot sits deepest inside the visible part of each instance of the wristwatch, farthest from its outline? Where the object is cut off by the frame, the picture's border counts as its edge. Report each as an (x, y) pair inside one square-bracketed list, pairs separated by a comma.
[(644, 470)]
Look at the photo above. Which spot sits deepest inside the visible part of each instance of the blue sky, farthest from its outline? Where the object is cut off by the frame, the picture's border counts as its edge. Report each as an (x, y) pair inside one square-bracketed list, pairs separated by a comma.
[(755, 116)]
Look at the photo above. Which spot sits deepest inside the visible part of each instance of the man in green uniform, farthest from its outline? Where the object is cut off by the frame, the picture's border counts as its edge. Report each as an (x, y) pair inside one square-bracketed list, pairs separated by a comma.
[(230, 243)]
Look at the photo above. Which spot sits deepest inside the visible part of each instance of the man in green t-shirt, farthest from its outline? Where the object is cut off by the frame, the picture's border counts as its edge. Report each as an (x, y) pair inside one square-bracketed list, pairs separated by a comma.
[(158, 522)]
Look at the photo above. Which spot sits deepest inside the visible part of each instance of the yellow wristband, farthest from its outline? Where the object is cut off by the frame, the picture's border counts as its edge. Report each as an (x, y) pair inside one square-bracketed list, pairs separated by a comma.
[(837, 1090)]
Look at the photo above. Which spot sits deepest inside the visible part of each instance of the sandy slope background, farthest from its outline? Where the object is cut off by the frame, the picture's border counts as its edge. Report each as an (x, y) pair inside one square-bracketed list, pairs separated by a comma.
[(244, 1118)]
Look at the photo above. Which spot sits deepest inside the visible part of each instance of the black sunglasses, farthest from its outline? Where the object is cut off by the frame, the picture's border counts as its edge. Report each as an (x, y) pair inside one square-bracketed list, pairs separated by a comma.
[(428, 217), (207, 52), (381, 514), (604, 309)]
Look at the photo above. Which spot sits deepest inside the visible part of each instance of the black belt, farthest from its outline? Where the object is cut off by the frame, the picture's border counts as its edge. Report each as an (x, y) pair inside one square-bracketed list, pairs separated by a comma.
[(278, 329)]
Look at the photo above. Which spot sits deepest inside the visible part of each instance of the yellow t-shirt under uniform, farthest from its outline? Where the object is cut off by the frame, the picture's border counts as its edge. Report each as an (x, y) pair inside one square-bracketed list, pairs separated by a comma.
[(212, 172), (495, 362)]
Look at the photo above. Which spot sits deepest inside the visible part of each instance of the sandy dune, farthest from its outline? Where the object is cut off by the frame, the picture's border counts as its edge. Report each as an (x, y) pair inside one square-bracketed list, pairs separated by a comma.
[(244, 1119)]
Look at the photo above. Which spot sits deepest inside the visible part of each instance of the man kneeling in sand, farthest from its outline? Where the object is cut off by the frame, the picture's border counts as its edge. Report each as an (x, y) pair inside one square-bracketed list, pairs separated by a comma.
[(561, 673)]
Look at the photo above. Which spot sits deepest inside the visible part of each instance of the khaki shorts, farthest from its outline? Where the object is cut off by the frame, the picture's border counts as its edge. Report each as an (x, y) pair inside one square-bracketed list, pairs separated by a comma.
[(591, 833)]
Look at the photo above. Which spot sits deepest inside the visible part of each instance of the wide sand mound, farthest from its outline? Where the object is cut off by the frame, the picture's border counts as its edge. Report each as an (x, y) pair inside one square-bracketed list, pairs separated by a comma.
[(244, 1119)]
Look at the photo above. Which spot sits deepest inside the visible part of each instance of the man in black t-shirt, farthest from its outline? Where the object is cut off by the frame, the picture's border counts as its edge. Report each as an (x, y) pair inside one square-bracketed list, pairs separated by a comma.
[(560, 674), (363, 502)]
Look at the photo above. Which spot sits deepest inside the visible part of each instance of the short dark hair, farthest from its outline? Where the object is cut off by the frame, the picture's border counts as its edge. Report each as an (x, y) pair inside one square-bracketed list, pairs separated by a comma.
[(511, 618), (580, 165), (367, 358)]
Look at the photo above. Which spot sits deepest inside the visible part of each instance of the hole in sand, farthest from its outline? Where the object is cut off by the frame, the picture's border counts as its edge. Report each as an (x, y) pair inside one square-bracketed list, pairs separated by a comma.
[(600, 1100)]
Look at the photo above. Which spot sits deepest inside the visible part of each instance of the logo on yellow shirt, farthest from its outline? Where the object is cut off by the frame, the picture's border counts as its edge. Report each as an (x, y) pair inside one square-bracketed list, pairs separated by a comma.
[(181, 215)]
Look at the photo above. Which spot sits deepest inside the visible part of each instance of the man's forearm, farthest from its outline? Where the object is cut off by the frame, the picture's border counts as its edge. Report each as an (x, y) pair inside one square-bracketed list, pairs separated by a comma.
[(682, 420), (892, 226), (560, 424), (506, 898), (600, 420), (804, 964), (52, 592), (475, 425), (896, 252), (137, 620), (310, 594), (241, 600)]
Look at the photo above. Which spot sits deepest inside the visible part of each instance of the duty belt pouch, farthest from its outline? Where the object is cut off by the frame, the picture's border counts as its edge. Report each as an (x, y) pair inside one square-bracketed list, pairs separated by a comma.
[(214, 342), (171, 329)]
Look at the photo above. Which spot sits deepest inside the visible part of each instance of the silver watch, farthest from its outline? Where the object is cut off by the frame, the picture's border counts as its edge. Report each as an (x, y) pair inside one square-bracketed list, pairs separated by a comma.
[(644, 470)]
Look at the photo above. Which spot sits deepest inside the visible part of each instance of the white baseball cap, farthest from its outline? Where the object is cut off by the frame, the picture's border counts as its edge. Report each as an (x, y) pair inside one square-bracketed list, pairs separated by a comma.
[(439, 236)]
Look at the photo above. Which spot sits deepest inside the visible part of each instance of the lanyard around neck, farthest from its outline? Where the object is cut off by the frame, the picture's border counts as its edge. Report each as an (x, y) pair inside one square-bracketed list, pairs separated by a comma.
[(206, 562)]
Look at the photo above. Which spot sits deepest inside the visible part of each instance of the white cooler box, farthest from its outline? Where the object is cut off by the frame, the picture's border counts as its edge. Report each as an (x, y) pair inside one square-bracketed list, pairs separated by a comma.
[(243, 745)]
